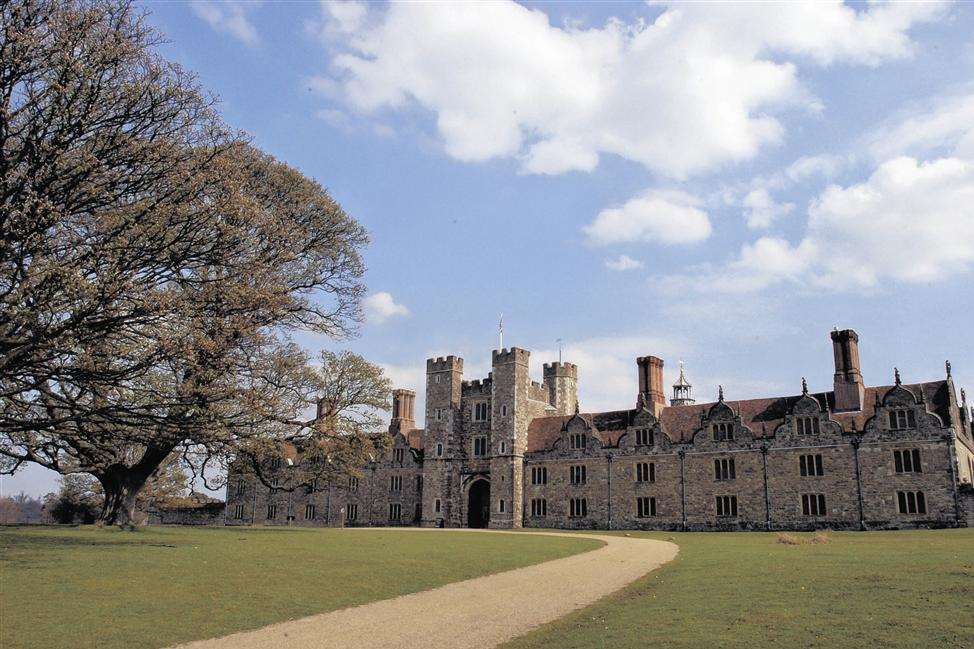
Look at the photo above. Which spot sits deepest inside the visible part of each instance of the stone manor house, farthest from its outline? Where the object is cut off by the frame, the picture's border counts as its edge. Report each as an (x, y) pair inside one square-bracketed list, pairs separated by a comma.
[(505, 451)]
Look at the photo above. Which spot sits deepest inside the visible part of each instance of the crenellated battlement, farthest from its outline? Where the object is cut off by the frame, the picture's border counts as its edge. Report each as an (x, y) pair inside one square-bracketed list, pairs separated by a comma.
[(538, 392), (448, 364), (476, 387), (512, 355), (560, 369)]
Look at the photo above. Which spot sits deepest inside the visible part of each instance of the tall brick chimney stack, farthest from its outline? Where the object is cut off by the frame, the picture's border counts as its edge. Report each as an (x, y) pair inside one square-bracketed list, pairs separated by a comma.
[(651, 394), (403, 411), (849, 387)]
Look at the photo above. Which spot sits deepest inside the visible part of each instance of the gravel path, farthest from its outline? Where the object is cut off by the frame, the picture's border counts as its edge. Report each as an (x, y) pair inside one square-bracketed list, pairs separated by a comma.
[(477, 613)]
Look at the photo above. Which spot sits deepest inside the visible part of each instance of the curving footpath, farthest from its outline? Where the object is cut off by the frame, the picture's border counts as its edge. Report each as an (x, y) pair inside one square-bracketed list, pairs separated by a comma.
[(476, 613)]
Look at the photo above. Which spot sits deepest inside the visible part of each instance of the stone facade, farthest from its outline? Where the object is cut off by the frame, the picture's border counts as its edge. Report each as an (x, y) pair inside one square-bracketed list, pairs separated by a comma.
[(505, 451)]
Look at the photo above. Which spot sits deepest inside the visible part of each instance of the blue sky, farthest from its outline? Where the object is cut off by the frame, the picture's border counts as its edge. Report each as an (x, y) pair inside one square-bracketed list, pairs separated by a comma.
[(721, 184)]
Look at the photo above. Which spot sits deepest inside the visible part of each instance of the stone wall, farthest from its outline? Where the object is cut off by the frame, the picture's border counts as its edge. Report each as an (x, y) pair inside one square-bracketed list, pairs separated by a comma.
[(203, 514)]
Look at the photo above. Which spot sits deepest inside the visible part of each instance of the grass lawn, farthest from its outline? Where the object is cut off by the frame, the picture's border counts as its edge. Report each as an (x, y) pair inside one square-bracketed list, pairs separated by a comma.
[(873, 589), (89, 587)]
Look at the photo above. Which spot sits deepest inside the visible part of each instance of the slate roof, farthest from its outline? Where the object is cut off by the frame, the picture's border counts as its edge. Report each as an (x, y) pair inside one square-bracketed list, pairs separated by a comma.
[(762, 416)]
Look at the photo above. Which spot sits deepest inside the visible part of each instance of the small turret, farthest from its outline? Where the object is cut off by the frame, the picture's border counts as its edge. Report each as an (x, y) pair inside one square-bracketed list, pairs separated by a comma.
[(682, 390), (561, 379)]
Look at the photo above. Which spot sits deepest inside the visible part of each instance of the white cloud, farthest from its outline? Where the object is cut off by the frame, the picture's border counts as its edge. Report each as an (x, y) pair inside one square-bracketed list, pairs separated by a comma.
[(910, 221), (381, 306), (760, 210), (816, 166), (657, 216), (944, 125), (623, 262), (230, 17), (693, 89)]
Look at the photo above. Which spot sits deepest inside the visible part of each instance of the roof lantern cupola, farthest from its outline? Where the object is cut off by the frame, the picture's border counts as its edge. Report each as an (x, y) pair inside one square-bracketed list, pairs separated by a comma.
[(682, 390)]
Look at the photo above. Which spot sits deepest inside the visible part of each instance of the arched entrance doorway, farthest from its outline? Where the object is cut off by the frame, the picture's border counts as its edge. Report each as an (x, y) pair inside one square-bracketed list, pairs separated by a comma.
[(478, 504)]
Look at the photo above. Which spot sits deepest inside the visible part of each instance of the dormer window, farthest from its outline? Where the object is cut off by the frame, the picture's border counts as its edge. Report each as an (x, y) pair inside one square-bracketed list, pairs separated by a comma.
[(480, 411), (901, 419), (577, 441), (806, 425), (644, 437), (398, 455), (275, 463), (723, 431)]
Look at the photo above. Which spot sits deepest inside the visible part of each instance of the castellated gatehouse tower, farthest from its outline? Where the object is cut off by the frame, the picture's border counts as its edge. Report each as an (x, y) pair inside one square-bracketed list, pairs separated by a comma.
[(441, 443)]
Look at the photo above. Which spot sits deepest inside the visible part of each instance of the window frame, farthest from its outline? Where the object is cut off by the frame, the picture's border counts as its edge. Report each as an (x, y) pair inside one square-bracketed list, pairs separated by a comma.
[(726, 506), (907, 460), (723, 431), (645, 472), (646, 507), (915, 500), (539, 507), (577, 474), (480, 446), (645, 437), (539, 475), (725, 469), (578, 507)]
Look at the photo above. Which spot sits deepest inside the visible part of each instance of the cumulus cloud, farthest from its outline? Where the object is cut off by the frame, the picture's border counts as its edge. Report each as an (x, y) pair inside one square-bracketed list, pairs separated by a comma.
[(760, 210), (943, 125), (623, 263), (910, 221), (692, 89), (656, 216), (229, 17), (381, 306)]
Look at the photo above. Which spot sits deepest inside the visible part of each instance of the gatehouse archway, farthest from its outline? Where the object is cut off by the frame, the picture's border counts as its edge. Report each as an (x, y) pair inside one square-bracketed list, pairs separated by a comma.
[(478, 504)]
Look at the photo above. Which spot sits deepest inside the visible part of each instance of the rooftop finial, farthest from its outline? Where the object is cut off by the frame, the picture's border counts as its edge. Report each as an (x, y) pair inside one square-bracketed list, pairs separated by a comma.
[(720, 393), (804, 387), (963, 396), (947, 363), (896, 376)]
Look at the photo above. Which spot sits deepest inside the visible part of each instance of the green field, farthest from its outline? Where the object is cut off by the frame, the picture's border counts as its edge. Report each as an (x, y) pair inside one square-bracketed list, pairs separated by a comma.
[(872, 589), (89, 587)]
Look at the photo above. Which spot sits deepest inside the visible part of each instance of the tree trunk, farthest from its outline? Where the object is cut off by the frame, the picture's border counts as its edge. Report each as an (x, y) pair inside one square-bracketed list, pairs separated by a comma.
[(121, 493), (122, 485)]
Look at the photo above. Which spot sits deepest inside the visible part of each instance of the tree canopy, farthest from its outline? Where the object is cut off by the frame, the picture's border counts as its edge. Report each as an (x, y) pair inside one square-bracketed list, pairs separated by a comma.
[(153, 266)]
